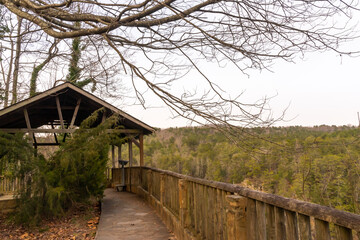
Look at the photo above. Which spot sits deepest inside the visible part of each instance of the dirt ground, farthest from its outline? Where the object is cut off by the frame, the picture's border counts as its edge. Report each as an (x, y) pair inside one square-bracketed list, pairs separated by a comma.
[(79, 223)]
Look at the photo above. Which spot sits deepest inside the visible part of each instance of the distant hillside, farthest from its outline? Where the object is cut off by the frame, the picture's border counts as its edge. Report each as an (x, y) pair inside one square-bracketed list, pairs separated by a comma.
[(319, 164)]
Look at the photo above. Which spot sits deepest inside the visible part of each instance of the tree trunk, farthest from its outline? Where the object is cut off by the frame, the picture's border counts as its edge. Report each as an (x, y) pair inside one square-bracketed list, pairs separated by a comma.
[(17, 62), (8, 79)]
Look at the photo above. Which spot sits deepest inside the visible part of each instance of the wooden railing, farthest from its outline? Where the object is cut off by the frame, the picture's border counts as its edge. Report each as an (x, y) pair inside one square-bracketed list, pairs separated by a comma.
[(195, 208), (8, 185)]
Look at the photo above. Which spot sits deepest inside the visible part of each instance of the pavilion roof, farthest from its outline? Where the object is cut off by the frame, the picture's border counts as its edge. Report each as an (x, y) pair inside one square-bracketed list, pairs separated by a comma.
[(65, 101)]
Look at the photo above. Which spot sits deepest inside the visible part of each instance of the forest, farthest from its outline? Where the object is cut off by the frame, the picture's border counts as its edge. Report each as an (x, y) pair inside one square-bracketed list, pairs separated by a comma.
[(317, 164)]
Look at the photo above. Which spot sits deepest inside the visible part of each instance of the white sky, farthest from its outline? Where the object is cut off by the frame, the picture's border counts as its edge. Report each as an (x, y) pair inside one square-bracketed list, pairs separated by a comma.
[(322, 88)]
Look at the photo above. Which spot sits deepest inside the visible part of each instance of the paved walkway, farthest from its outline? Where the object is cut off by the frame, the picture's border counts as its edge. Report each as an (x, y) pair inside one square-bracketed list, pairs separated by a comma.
[(126, 216)]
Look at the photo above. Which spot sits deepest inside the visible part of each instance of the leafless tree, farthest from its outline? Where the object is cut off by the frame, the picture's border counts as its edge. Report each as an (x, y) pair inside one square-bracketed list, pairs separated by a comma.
[(31, 60), (171, 36)]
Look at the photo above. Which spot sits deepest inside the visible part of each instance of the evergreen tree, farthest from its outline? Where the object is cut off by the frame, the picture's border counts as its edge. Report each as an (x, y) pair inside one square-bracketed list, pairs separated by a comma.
[(72, 175)]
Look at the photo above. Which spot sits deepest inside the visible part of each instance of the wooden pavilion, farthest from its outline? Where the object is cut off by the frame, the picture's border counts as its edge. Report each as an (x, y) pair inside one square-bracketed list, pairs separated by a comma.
[(60, 110)]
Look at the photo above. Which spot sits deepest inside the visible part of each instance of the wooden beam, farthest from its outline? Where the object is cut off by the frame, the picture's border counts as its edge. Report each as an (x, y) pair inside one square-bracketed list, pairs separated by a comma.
[(27, 119), (124, 130), (56, 140), (75, 113), (103, 116), (141, 139), (130, 162), (59, 112), (28, 125), (113, 156), (52, 107), (48, 144), (135, 142), (119, 153), (37, 130)]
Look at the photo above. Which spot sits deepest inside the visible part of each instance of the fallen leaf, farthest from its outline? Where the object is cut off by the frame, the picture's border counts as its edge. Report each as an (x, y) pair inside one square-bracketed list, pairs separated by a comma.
[(24, 235)]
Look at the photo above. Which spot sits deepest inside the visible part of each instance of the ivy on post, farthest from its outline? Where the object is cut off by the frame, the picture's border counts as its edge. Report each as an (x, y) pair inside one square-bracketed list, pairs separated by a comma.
[(236, 217)]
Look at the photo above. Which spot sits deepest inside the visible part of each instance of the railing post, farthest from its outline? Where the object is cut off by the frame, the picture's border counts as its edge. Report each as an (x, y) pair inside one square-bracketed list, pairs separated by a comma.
[(149, 181), (162, 188), (183, 199), (236, 217)]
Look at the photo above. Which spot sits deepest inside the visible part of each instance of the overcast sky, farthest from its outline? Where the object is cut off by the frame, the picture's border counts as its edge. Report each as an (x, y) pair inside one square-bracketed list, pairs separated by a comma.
[(322, 88)]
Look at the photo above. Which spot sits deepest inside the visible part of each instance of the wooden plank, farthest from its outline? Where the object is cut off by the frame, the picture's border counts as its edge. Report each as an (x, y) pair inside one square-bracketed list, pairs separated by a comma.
[(135, 142), (56, 139), (130, 162), (206, 212), (217, 220), (230, 218), (304, 227), (28, 125), (251, 223), (141, 139), (47, 144), (119, 154), (197, 202), (322, 230), (236, 217), (342, 233), (103, 116), (261, 220), (270, 222), (75, 113), (280, 224), (58, 106), (36, 130), (291, 225), (113, 156), (223, 212), (201, 211), (211, 212)]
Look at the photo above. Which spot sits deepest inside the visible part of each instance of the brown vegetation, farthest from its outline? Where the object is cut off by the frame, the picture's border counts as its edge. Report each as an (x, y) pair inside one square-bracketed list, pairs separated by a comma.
[(80, 223)]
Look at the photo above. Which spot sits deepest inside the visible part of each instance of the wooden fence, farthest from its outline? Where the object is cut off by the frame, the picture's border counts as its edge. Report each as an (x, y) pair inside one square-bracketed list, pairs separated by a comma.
[(8, 185), (200, 209)]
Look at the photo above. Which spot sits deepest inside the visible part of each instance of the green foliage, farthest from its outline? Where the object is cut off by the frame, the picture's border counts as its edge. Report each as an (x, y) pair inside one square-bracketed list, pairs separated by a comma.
[(74, 69), (3, 27), (320, 164), (14, 148), (73, 174), (34, 77)]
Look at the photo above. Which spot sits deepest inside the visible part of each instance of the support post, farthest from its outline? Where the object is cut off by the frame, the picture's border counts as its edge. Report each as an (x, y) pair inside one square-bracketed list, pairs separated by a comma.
[(130, 164), (113, 155), (183, 196), (119, 154), (141, 139), (236, 217)]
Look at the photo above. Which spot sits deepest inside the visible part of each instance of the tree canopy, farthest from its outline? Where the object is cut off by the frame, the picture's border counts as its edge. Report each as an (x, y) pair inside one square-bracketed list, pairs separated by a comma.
[(158, 41)]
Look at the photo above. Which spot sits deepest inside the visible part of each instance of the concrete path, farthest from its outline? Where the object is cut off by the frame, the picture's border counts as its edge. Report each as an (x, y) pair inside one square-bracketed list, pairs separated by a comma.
[(126, 216)]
